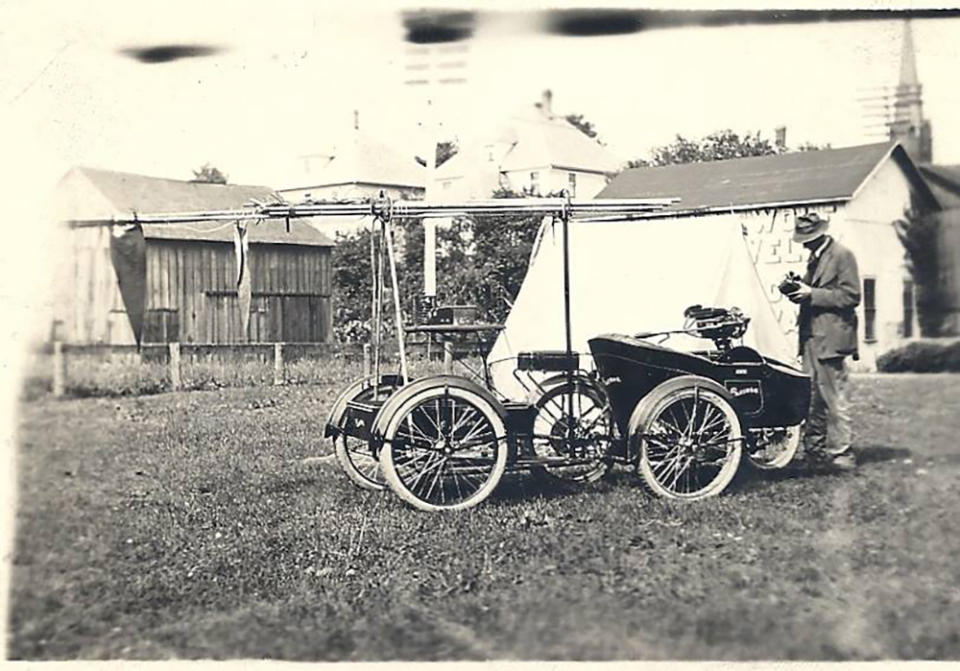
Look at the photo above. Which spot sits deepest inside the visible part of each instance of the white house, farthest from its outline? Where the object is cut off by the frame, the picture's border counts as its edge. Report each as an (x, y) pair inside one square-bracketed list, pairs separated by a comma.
[(862, 189), (539, 152), (357, 166)]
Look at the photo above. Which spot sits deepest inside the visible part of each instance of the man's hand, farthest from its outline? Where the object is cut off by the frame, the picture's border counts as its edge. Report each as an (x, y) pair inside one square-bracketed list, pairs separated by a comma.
[(801, 294)]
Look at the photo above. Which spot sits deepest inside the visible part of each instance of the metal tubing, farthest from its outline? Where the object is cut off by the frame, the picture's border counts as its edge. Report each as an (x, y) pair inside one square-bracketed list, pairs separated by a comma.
[(387, 209), (568, 326), (396, 303)]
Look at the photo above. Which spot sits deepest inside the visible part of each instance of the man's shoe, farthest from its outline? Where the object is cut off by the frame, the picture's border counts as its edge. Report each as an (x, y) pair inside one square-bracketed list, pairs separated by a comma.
[(809, 458)]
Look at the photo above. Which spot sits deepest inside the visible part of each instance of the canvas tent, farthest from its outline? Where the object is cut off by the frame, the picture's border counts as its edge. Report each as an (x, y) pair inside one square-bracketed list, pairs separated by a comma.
[(632, 276)]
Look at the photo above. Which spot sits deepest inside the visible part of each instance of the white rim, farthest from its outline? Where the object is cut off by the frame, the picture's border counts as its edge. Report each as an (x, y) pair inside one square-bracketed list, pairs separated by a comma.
[(486, 414), (724, 427), (362, 469)]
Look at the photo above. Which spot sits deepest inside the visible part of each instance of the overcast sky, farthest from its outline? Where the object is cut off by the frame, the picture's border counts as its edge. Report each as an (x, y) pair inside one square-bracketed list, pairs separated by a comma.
[(290, 74)]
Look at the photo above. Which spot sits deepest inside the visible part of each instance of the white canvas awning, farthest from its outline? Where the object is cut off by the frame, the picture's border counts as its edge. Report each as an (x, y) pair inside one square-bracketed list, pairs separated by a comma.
[(632, 276)]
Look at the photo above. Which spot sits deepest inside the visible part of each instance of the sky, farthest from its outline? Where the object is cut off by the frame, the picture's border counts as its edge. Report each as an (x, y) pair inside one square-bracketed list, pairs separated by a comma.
[(288, 75)]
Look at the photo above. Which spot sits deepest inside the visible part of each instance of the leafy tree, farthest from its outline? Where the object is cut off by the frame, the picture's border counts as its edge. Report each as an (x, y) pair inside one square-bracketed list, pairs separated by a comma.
[(584, 126), (209, 174), (811, 146), (919, 231), (717, 146)]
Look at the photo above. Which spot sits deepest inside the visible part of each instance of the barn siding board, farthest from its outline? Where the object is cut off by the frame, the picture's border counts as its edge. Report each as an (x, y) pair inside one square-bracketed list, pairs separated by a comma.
[(291, 287)]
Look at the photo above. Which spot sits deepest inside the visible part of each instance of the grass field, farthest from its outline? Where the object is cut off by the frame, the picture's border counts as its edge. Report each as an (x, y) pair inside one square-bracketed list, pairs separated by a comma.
[(188, 525)]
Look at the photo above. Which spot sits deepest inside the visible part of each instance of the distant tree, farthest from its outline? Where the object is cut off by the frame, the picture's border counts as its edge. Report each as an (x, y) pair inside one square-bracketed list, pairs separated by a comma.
[(918, 232), (811, 146), (717, 146), (481, 260), (584, 126), (352, 286), (209, 174)]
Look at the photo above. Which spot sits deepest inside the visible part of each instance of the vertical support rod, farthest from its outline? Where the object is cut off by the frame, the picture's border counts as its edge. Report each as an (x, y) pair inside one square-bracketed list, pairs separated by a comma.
[(366, 359), (377, 271), (277, 363), (175, 380), (568, 327), (59, 370), (396, 303), (447, 357)]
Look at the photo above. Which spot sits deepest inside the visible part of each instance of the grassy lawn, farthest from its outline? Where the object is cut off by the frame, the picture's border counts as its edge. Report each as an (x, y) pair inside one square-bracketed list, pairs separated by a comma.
[(188, 526)]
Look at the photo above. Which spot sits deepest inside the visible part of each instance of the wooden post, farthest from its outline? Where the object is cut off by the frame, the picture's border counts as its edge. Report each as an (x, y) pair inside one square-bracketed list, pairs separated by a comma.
[(447, 357), (59, 370), (366, 360), (278, 363), (175, 380)]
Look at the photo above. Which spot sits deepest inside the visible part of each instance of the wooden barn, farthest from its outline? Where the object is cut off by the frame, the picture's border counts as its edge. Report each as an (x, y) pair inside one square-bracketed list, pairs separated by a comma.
[(177, 282)]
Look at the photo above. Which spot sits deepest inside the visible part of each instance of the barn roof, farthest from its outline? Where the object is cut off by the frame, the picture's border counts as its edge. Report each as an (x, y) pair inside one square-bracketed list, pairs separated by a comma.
[(270, 231), (129, 192), (828, 175)]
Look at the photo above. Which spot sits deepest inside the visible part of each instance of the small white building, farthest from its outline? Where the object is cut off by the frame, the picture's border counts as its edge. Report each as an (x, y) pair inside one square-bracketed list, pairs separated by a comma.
[(863, 190), (539, 152), (359, 166)]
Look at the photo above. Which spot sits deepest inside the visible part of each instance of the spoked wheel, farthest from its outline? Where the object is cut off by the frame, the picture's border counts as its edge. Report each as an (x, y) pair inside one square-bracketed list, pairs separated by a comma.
[(690, 439), (355, 455), (576, 443), (773, 448), (444, 449)]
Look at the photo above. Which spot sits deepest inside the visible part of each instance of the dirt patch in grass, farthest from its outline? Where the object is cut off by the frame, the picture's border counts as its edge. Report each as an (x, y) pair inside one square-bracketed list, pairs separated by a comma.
[(189, 526)]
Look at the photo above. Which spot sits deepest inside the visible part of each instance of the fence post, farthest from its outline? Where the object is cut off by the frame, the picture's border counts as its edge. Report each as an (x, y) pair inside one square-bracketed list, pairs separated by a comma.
[(59, 370), (447, 356), (175, 379), (277, 363), (366, 360)]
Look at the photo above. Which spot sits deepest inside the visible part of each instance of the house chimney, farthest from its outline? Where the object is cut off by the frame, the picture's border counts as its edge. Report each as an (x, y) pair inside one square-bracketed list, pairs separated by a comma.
[(781, 135), (546, 103), (356, 119)]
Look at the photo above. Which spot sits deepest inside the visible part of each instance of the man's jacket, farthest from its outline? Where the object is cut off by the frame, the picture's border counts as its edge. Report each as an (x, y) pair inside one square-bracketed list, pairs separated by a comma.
[(831, 308)]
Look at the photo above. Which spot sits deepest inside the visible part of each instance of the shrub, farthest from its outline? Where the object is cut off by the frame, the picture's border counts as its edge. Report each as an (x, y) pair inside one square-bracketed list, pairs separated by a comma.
[(922, 357)]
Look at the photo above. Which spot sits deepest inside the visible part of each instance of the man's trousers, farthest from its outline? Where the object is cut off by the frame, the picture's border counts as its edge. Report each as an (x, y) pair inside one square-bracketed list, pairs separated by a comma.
[(828, 429)]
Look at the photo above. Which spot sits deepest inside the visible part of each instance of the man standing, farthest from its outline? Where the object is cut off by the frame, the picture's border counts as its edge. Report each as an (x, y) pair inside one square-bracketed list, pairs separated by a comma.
[(828, 296)]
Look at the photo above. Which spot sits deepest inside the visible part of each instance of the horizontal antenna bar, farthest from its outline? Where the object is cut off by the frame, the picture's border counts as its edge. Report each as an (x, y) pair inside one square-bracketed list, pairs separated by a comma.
[(394, 209)]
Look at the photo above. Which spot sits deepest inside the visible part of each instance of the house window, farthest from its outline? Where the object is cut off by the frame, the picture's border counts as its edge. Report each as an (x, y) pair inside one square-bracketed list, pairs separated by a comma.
[(869, 309), (572, 183), (908, 301), (535, 182)]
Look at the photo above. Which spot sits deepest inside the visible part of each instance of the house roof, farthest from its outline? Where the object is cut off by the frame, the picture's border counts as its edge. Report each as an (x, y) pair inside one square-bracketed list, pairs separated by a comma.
[(828, 175), (129, 192), (531, 142), (944, 181), (360, 159), (556, 143)]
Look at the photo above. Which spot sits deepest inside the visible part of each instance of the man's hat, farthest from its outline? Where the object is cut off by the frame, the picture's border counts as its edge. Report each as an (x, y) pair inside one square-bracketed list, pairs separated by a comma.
[(809, 226)]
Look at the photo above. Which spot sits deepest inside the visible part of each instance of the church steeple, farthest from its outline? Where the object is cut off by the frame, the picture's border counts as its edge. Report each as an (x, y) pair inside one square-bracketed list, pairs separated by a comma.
[(907, 124)]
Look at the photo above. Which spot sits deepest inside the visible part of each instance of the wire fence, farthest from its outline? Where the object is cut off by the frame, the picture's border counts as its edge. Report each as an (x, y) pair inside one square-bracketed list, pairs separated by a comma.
[(67, 370)]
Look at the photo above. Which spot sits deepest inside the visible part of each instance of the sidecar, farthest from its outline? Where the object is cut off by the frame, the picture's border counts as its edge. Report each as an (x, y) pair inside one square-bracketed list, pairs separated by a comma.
[(690, 416)]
